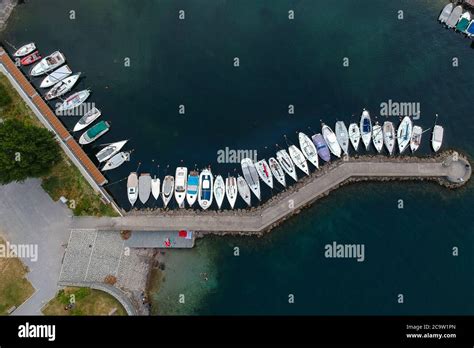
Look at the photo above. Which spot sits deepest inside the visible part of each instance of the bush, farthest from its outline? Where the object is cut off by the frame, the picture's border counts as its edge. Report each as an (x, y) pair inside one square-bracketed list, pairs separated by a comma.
[(5, 99)]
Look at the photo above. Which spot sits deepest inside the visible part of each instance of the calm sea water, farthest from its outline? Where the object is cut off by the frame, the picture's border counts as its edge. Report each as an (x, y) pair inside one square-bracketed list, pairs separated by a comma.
[(282, 62)]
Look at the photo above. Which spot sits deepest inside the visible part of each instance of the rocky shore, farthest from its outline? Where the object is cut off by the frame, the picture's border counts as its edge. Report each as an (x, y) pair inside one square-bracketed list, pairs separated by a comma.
[(6, 8)]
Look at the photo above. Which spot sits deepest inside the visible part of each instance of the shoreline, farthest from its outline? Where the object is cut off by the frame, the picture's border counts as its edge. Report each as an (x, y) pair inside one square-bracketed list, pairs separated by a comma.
[(6, 7)]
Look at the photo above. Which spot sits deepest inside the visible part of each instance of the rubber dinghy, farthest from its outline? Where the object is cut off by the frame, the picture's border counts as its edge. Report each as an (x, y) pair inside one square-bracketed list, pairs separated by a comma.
[(342, 136), (244, 190), (219, 190), (287, 164), (389, 136), (277, 171), (231, 190), (264, 172), (331, 140), (205, 193), (298, 159), (404, 133), (354, 135), (308, 149), (251, 176)]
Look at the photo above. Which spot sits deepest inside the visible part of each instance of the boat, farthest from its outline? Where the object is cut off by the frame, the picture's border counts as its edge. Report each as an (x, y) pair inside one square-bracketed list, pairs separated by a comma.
[(366, 128), (219, 190), (321, 147), (470, 29), (132, 188), (144, 187), (110, 150), (464, 22), (193, 186), (155, 187), (298, 159), (251, 176), (89, 117), (167, 189), (277, 171), (56, 76), (25, 50), (354, 135), (48, 63), (181, 180), (62, 87), (264, 172), (94, 133), (116, 161), (443, 17), (331, 140), (454, 17), (231, 190), (30, 59), (205, 189), (404, 133), (308, 149), (437, 138), (244, 190), (342, 136), (287, 164), (415, 138), (389, 136), (74, 100), (377, 137)]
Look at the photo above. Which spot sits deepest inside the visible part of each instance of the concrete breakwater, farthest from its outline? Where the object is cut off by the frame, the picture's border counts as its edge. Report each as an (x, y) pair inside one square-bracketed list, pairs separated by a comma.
[(6, 8)]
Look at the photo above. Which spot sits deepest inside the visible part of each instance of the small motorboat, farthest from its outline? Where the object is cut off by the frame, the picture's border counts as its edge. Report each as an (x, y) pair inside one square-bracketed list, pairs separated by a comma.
[(244, 190), (94, 133), (454, 17), (264, 172), (331, 140), (231, 190), (443, 17), (62, 87), (308, 149), (298, 159), (132, 188), (366, 128), (464, 22), (57, 75), (193, 186), (277, 171), (30, 59), (437, 137), (354, 135), (25, 50), (389, 136), (251, 176), (321, 147), (110, 150), (155, 187), (116, 161), (219, 190), (180, 185), (205, 192), (377, 137), (415, 138), (89, 117), (48, 63), (287, 164), (470, 29), (404, 133), (342, 136), (74, 101), (167, 189), (144, 187)]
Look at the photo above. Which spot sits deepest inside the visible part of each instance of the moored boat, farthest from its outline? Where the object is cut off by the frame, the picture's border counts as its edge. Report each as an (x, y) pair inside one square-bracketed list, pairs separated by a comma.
[(155, 187), (251, 176), (56, 76), (321, 147), (116, 161), (464, 22), (62, 87), (415, 138), (167, 189), (298, 159), (470, 29), (308, 149), (342, 136), (231, 190), (331, 140), (94, 133), (181, 180), (74, 100), (48, 63), (205, 192), (287, 164), (437, 137), (89, 117), (110, 150), (193, 186), (443, 16), (31, 58), (277, 171), (389, 136), (219, 190), (404, 133), (377, 137), (366, 128), (244, 190), (25, 50), (263, 170), (132, 188), (354, 135), (454, 17), (144, 187)]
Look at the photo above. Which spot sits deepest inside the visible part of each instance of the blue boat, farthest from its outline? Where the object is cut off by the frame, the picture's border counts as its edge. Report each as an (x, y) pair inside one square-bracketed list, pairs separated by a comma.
[(470, 29), (321, 147), (205, 189)]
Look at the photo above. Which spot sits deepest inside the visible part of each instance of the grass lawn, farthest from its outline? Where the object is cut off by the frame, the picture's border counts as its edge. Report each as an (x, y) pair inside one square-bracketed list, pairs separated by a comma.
[(14, 287), (87, 302)]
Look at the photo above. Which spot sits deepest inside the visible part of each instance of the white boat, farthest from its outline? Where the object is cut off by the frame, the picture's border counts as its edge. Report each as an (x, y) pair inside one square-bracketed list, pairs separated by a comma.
[(404, 133), (251, 176), (57, 75), (62, 87), (264, 172), (389, 136), (454, 17), (244, 190), (437, 138), (354, 135), (366, 128), (132, 188), (377, 137), (193, 186), (74, 100), (443, 16), (205, 189), (116, 161), (342, 136), (144, 187), (231, 190), (277, 171), (287, 164), (25, 50), (110, 150), (331, 140), (89, 117), (94, 133), (155, 187), (181, 180), (219, 190), (298, 159), (167, 189), (309, 149), (415, 138), (51, 62)]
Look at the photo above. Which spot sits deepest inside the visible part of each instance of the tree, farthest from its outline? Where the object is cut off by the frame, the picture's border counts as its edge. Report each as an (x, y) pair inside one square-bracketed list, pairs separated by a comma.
[(25, 151)]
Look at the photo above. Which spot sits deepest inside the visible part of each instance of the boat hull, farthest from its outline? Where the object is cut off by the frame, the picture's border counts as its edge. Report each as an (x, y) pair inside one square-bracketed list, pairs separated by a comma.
[(308, 149), (231, 190), (287, 164), (251, 176), (219, 190), (354, 135), (277, 171), (244, 190)]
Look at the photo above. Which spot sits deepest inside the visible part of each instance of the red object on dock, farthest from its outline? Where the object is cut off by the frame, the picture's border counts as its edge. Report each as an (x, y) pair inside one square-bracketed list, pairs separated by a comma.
[(31, 58), (183, 233)]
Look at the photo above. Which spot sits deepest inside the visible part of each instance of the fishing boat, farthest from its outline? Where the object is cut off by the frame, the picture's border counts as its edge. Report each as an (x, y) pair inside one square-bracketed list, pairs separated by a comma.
[(287, 164), (48, 63), (404, 133), (354, 135), (205, 189), (144, 187), (454, 17), (342, 136), (219, 190), (62, 87), (321, 147), (389, 136), (132, 188), (94, 133), (56, 76), (264, 172), (231, 190), (30, 59), (415, 138), (377, 137), (244, 190), (155, 187), (443, 17), (298, 159), (308, 149), (193, 186), (181, 180), (331, 140), (25, 50), (366, 128), (89, 117), (116, 161), (251, 176), (464, 22), (167, 189), (437, 137), (74, 100), (110, 150), (277, 171)]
